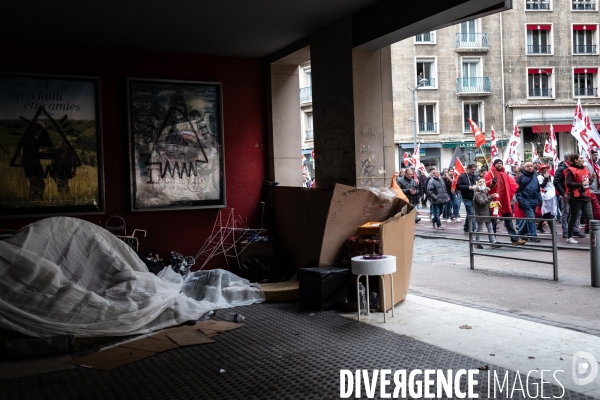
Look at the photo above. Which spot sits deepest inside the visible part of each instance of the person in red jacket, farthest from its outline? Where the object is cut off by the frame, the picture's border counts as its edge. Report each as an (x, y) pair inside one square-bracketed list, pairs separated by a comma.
[(577, 181), (505, 186)]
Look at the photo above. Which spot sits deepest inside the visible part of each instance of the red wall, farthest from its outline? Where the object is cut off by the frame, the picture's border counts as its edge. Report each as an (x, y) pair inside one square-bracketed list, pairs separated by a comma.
[(184, 231)]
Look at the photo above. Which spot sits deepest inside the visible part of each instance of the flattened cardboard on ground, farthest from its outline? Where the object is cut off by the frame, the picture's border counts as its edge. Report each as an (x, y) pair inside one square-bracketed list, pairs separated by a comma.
[(352, 207), (219, 326), (190, 338), (150, 344), (112, 358), (282, 291), (17, 369), (162, 334)]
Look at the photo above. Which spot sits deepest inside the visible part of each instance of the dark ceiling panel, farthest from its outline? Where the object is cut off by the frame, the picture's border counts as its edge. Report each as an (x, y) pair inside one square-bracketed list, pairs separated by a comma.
[(242, 28)]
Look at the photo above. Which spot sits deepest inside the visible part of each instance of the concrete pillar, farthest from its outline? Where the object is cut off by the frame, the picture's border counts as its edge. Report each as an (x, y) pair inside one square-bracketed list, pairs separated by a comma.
[(333, 107), (373, 117), (286, 147)]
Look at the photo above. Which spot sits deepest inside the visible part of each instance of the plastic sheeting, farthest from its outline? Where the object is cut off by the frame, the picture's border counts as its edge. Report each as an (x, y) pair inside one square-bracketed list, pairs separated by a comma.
[(65, 275)]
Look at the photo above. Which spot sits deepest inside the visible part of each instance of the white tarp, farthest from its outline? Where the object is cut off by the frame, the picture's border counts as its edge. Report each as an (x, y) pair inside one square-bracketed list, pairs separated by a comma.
[(65, 275)]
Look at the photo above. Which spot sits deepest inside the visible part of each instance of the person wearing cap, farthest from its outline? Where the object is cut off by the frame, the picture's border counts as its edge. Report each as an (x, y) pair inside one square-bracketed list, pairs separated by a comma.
[(561, 190), (548, 195), (594, 189), (577, 178), (505, 186), (528, 197), (536, 166)]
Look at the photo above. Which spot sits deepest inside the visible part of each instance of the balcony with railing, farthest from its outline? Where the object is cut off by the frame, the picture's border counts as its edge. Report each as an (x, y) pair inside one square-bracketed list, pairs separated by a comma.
[(306, 94), (425, 38), (468, 126), (425, 127), (540, 92), (539, 49), (309, 134), (584, 5), (584, 49), (589, 91), (537, 5), (472, 42), (473, 86)]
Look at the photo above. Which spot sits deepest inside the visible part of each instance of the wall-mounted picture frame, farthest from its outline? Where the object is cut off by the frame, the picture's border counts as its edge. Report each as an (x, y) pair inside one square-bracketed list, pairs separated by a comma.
[(175, 144), (50, 145)]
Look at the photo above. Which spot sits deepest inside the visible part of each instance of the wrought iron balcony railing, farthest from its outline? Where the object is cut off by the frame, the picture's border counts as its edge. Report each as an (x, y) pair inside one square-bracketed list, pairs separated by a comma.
[(537, 5), (427, 127), (584, 49), (473, 85), (472, 41), (425, 38), (586, 91), (306, 94), (584, 4), (537, 92), (310, 134), (539, 49), (468, 126)]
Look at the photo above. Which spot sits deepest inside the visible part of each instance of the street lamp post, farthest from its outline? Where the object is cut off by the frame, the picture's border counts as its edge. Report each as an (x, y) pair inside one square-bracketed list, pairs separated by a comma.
[(414, 118)]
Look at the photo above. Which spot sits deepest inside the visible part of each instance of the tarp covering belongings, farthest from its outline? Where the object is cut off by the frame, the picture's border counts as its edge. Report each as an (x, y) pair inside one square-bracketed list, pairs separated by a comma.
[(65, 275)]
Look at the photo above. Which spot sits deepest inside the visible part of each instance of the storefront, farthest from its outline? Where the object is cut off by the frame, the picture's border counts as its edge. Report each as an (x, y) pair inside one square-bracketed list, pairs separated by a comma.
[(470, 154)]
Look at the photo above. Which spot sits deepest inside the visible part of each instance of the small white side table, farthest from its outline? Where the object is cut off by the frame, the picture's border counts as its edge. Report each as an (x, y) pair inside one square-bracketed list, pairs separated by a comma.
[(374, 266)]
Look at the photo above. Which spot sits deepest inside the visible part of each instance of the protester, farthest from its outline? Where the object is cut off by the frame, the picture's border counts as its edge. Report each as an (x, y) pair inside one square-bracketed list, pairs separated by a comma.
[(594, 189), (466, 183), (505, 186), (482, 201), (436, 191), (529, 197), (559, 185), (578, 193), (452, 207), (546, 182), (411, 188), (536, 166)]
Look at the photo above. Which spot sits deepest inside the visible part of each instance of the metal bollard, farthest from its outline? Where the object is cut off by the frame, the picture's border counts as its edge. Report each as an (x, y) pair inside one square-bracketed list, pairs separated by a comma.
[(595, 252)]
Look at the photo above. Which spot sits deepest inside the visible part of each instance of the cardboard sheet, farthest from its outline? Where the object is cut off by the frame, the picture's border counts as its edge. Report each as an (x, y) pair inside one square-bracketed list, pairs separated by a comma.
[(112, 358), (162, 334), (219, 326), (17, 369), (150, 344), (190, 338), (282, 291)]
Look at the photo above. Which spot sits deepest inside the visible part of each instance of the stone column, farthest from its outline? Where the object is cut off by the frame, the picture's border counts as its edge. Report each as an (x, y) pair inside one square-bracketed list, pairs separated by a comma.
[(286, 147)]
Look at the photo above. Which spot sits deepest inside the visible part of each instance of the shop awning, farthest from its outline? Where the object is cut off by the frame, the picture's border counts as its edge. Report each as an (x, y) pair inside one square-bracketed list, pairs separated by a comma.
[(540, 27), (452, 145), (535, 71), (585, 70), (588, 27), (557, 128)]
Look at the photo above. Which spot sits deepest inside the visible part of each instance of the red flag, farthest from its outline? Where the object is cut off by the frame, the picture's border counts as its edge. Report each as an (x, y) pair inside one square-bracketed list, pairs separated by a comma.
[(406, 159), (479, 138), (458, 170), (494, 149)]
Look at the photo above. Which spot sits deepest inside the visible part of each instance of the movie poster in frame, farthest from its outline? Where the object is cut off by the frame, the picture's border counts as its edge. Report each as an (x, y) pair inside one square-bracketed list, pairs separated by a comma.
[(176, 144), (50, 145)]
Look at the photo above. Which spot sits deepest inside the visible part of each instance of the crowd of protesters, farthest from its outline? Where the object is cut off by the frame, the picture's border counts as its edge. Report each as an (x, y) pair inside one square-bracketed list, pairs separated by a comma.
[(569, 194)]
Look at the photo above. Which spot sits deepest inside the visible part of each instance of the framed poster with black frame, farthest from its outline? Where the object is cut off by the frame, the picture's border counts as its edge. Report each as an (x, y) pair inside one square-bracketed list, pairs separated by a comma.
[(175, 144), (50, 145)]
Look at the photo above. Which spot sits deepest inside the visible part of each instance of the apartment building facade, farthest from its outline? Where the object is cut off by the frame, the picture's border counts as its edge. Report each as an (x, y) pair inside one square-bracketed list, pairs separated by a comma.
[(526, 67)]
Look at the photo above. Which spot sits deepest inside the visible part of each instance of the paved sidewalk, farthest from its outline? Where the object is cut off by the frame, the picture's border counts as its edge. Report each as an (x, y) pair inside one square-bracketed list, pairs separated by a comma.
[(502, 340)]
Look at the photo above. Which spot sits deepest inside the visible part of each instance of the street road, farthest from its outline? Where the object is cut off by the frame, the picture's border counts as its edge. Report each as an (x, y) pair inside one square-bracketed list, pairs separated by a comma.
[(441, 270)]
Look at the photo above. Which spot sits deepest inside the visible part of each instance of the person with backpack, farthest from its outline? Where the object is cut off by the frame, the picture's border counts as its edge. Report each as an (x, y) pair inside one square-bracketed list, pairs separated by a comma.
[(528, 197), (466, 183), (561, 190), (577, 182), (436, 191)]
